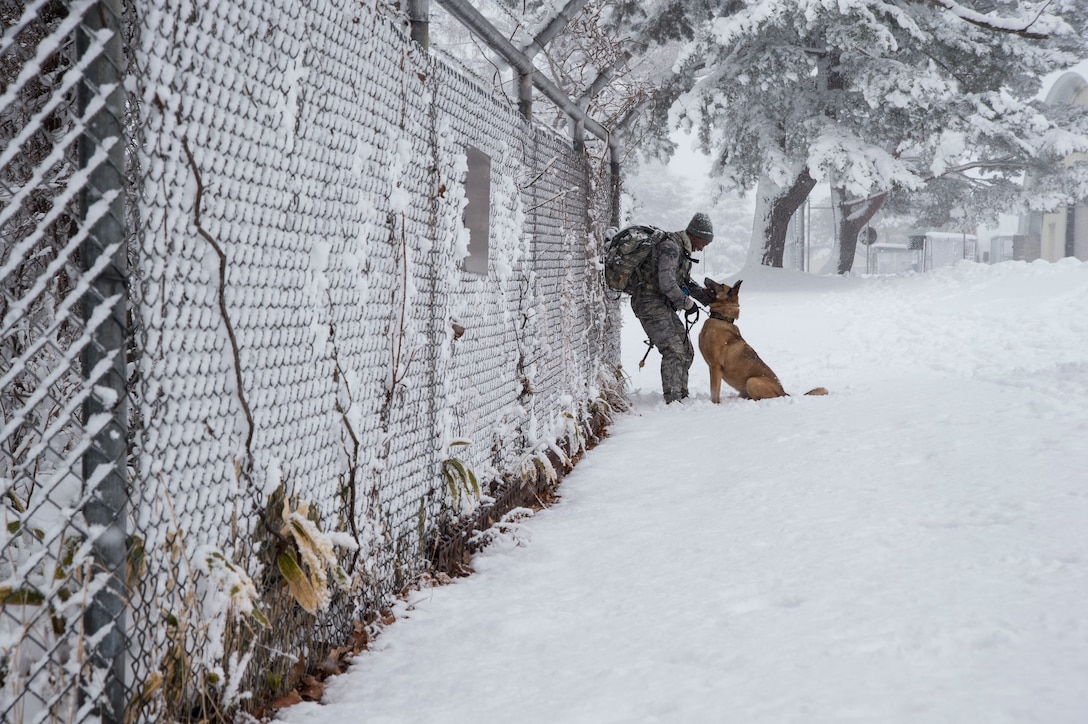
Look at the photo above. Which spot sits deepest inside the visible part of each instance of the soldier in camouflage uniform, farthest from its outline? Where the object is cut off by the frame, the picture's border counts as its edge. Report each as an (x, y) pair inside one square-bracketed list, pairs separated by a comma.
[(665, 287)]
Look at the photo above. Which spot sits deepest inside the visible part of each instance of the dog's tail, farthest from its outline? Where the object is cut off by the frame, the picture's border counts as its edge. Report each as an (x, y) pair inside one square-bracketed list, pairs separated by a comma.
[(817, 391)]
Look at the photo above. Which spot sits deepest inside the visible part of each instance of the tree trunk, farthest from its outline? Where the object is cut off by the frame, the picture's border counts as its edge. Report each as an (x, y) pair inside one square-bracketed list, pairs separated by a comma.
[(851, 216), (776, 206)]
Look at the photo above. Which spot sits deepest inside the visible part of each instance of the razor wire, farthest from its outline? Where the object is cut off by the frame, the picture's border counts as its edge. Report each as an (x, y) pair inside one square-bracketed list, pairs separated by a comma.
[(229, 384)]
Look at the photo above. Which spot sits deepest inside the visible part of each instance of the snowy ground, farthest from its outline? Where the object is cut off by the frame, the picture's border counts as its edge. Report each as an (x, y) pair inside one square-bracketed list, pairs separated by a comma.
[(912, 548)]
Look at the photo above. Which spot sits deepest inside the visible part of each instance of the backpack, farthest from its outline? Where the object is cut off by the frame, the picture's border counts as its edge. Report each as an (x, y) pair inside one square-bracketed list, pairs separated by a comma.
[(625, 252)]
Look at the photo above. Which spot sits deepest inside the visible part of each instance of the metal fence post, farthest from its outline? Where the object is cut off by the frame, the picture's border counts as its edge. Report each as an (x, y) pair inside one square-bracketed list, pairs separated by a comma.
[(105, 458), (419, 14)]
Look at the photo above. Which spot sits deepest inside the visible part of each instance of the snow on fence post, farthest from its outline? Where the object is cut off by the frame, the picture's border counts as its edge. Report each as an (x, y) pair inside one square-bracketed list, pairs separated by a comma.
[(105, 412)]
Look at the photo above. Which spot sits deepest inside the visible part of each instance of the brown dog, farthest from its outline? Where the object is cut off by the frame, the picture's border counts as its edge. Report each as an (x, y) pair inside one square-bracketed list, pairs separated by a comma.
[(729, 357)]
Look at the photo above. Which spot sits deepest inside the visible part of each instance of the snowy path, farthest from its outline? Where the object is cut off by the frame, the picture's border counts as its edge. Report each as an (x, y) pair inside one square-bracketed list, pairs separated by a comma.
[(911, 548)]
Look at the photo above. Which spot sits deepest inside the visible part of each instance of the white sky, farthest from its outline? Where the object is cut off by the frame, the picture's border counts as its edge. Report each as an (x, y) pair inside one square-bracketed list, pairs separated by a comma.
[(910, 549)]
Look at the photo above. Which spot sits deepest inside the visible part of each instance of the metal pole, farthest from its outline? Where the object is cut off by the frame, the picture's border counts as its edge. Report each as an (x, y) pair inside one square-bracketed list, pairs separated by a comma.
[(1071, 230), (553, 28), (602, 80), (616, 167), (806, 215), (105, 460), (471, 18), (419, 14), (578, 134), (525, 95)]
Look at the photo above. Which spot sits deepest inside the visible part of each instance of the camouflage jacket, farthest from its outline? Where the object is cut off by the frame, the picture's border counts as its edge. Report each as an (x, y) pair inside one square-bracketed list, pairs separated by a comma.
[(667, 272)]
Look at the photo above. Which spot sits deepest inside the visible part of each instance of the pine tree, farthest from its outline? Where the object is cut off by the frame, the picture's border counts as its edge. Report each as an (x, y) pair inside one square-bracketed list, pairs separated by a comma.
[(924, 108), (926, 101)]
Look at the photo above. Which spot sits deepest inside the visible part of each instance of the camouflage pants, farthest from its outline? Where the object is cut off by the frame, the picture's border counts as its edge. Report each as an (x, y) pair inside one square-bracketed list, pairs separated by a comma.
[(666, 332)]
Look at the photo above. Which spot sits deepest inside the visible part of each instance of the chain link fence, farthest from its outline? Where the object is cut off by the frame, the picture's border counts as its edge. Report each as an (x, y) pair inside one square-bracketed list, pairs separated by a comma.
[(247, 388), (62, 362)]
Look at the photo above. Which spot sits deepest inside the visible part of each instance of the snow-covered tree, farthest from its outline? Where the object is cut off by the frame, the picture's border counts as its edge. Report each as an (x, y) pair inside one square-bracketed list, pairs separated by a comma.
[(926, 99), (667, 197), (924, 107)]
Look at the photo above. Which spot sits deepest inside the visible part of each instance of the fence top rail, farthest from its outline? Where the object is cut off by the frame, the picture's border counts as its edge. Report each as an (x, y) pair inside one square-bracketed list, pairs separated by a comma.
[(472, 19)]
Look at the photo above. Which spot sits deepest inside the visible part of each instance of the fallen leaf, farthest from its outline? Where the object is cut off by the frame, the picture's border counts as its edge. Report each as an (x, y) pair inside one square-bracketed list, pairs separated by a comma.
[(311, 689), (296, 671), (287, 701), (330, 666), (359, 638)]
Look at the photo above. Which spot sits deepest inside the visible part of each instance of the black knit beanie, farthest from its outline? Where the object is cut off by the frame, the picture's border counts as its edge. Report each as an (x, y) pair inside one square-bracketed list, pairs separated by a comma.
[(700, 226)]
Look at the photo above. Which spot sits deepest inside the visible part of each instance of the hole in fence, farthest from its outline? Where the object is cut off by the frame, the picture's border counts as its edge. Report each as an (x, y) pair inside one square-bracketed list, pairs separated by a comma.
[(478, 210)]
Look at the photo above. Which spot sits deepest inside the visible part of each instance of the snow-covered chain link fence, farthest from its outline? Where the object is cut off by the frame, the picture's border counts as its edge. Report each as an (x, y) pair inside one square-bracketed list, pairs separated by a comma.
[(62, 361), (239, 355)]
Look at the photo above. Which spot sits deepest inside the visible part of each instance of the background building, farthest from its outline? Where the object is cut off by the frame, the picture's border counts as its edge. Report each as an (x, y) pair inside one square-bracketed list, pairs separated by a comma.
[(1063, 233)]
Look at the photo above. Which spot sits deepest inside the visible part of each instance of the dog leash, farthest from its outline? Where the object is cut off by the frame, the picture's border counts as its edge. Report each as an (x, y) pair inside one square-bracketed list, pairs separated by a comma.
[(649, 346), (689, 322)]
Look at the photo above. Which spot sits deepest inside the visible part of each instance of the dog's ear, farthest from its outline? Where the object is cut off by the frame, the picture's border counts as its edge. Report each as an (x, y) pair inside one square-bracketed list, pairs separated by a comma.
[(735, 291)]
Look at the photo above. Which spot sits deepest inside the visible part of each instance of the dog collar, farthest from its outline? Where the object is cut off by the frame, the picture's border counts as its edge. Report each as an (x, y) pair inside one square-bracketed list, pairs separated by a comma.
[(715, 315)]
